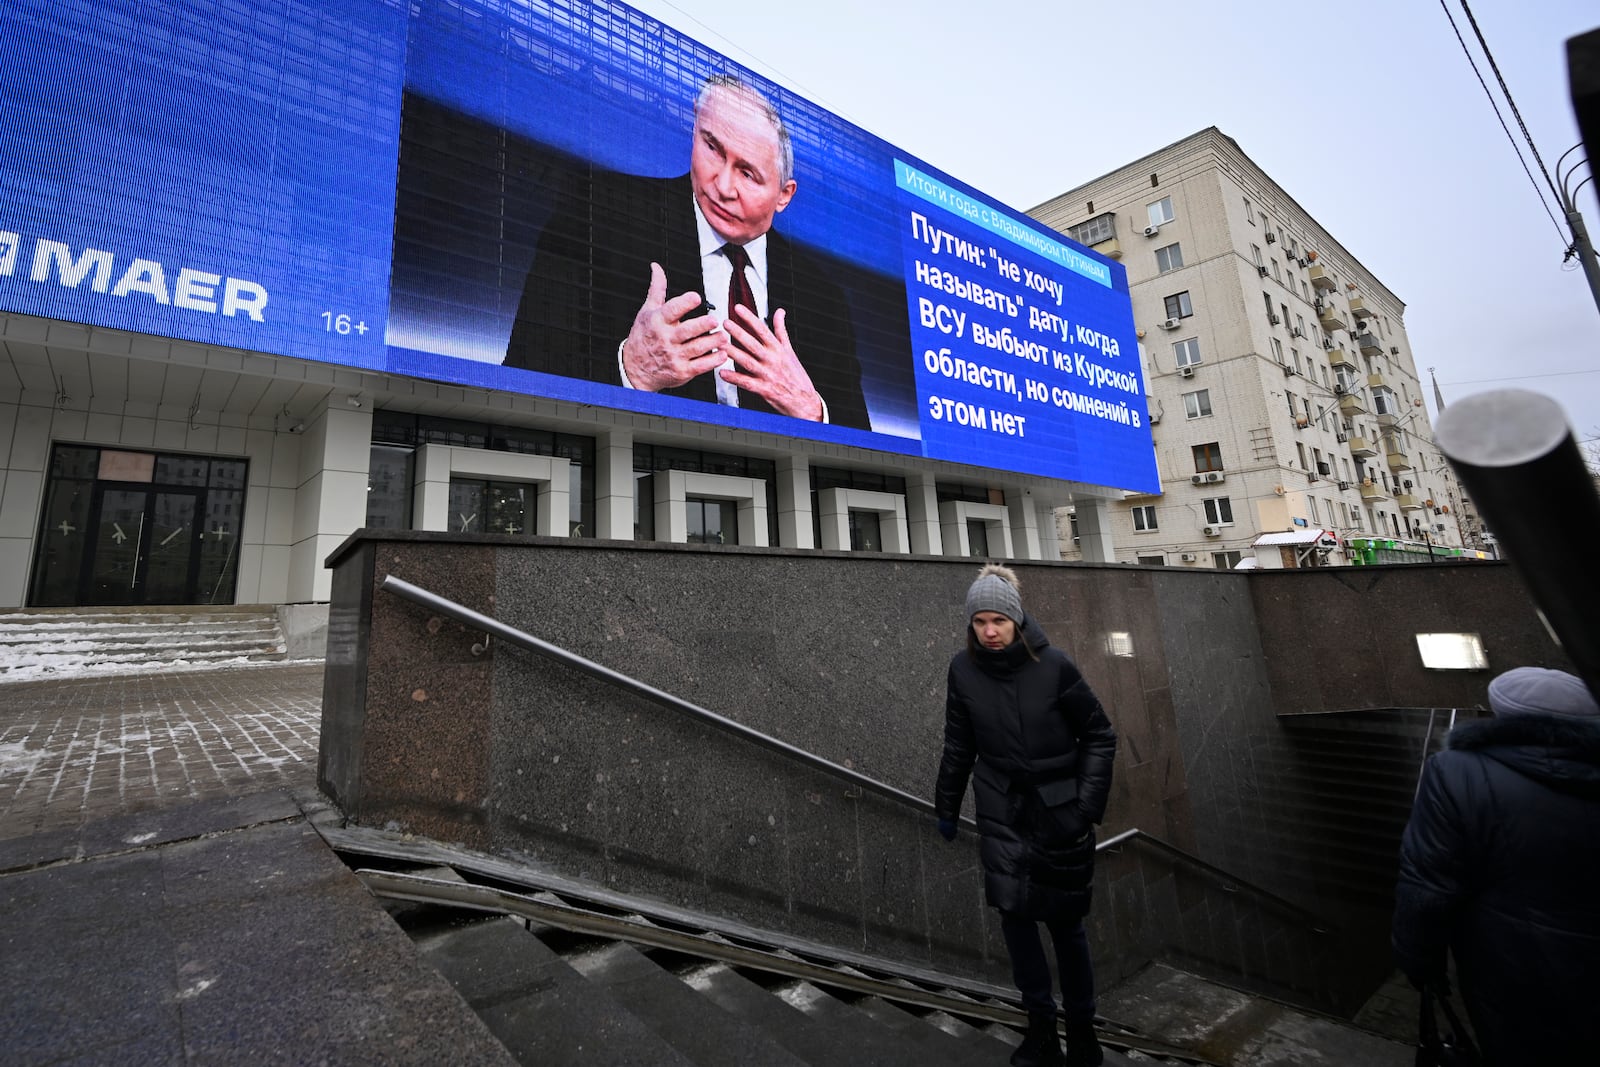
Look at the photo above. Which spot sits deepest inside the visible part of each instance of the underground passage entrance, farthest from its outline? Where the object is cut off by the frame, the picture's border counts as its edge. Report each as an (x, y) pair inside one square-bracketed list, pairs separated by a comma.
[(123, 527)]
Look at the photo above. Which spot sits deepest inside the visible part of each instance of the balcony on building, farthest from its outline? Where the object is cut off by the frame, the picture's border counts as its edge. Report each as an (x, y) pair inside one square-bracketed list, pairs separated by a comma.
[(1371, 490), (1408, 502), (1370, 345), (1338, 357), (1322, 279), (1351, 404), (1397, 460), (1109, 248), (1361, 447), (1331, 318), (1359, 309), (1375, 381)]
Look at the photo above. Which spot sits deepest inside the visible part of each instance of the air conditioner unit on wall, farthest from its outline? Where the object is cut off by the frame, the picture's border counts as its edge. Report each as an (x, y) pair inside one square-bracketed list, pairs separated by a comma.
[(1211, 531), (1274, 319), (1272, 238), (1171, 324), (1197, 479), (1188, 557), (1215, 476), (1151, 231), (1261, 268), (1186, 372)]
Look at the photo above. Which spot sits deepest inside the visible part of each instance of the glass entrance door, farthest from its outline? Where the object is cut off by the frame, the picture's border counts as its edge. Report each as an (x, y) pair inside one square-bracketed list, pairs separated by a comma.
[(144, 549)]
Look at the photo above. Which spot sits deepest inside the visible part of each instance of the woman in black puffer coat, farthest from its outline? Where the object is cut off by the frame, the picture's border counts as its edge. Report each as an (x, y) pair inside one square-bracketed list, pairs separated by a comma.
[(1500, 864), (1021, 722)]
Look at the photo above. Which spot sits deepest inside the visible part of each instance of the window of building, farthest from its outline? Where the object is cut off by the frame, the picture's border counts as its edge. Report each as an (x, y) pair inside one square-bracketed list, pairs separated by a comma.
[(1219, 511), (1294, 360), (1249, 212), (481, 506), (1300, 451), (1311, 510), (1197, 405), (1092, 232), (1169, 257), (1267, 299), (1383, 401), (1255, 254), (389, 488), (1178, 306), (1207, 457), (1161, 211), (1290, 397), (712, 522), (978, 536), (1187, 353), (1284, 318), (866, 534), (1277, 350), (1275, 275), (1226, 561), (1151, 561), (1144, 518)]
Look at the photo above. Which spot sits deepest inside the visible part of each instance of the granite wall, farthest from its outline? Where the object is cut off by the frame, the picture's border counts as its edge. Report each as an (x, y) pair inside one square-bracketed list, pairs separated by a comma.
[(845, 656)]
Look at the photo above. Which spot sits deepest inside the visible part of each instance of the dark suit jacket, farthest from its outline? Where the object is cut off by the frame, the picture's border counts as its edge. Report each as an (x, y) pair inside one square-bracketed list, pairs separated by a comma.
[(591, 272)]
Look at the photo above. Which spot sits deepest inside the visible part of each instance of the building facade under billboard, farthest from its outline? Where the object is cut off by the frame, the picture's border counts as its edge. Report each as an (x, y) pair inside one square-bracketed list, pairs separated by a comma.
[(497, 267)]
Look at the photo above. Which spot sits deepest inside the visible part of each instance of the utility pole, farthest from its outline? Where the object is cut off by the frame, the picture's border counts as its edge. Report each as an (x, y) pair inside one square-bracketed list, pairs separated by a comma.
[(1581, 246)]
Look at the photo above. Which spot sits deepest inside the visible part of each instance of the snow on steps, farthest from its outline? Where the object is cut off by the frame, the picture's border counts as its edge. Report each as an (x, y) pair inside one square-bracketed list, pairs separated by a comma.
[(48, 642)]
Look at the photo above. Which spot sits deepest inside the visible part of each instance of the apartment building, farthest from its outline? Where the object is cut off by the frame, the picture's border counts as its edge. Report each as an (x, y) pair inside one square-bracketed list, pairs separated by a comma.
[(1285, 401)]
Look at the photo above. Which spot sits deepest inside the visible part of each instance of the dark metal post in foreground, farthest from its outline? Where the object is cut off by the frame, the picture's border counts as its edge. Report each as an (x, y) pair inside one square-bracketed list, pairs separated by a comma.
[(1520, 464)]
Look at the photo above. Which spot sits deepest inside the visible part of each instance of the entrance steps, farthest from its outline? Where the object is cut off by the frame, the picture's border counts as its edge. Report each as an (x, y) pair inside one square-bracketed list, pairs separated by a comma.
[(53, 642)]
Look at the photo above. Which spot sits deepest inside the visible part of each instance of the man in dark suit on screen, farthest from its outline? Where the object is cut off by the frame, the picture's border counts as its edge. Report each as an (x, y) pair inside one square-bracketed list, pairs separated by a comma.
[(732, 312)]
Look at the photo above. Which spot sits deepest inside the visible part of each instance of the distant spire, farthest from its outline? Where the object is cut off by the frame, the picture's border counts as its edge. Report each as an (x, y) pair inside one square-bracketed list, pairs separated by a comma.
[(1438, 397)]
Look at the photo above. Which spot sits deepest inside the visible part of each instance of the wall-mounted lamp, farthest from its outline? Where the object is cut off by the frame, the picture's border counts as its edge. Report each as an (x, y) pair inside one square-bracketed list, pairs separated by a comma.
[(1452, 652), (298, 427), (353, 401)]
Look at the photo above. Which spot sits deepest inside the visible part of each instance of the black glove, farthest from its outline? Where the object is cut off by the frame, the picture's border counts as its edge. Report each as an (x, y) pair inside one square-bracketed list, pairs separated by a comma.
[(947, 829)]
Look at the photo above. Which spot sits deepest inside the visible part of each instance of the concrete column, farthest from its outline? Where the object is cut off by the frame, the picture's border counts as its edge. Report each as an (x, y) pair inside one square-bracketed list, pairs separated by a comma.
[(672, 524), (430, 488), (330, 500), (794, 503), (922, 515), (1094, 530), (834, 519), (1024, 523), (614, 485)]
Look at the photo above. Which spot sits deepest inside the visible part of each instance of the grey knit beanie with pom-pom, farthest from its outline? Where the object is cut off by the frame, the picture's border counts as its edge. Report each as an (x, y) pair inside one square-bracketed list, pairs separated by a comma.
[(996, 589)]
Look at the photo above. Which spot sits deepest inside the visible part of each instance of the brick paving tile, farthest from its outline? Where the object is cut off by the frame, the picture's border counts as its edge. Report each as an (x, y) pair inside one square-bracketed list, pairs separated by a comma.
[(75, 749)]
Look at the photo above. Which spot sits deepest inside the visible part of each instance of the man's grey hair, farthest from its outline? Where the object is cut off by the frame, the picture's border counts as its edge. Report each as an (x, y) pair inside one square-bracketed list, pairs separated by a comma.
[(734, 84)]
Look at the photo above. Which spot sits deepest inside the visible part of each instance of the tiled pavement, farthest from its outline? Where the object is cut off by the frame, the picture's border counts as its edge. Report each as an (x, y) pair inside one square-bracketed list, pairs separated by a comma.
[(163, 899), (73, 750)]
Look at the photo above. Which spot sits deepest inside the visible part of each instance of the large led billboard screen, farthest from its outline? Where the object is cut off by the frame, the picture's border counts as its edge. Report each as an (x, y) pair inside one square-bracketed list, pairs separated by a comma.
[(559, 198)]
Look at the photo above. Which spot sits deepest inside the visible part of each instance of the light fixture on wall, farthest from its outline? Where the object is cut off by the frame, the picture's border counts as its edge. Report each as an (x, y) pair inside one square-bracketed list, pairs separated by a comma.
[(353, 401), (298, 427)]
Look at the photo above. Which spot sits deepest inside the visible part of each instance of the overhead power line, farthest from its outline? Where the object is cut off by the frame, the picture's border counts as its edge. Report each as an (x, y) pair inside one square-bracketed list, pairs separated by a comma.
[(1566, 240)]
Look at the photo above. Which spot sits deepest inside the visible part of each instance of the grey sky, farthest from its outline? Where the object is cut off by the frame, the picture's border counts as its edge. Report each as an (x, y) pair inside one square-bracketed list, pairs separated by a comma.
[(1367, 113)]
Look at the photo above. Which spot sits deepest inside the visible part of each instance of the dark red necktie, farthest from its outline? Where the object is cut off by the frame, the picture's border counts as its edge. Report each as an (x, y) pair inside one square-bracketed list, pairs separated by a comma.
[(739, 294)]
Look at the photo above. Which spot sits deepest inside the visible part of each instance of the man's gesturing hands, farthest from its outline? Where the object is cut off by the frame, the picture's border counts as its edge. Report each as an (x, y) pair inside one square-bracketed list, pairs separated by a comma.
[(665, 350)]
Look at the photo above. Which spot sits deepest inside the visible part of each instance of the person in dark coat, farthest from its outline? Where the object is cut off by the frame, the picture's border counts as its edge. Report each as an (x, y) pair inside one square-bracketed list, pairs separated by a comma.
[(1500, 865), (1025, 727)]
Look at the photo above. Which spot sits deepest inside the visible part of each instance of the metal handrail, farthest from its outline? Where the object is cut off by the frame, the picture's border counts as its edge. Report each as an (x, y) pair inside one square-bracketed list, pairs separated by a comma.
[(1315, 921), (416, 594), (461, 613)]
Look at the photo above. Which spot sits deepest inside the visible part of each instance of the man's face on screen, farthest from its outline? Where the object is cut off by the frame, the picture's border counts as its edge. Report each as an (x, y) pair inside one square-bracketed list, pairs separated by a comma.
[(735, 167)]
